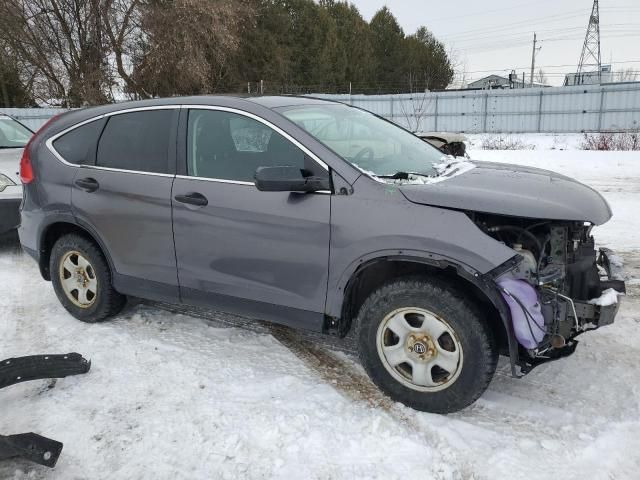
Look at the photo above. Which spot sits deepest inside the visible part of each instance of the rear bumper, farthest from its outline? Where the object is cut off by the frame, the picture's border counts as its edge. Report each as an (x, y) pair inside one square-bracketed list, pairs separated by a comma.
[(9, 213)]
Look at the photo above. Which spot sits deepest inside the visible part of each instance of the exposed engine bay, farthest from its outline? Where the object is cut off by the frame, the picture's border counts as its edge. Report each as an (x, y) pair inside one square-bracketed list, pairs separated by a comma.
[(560, 286)]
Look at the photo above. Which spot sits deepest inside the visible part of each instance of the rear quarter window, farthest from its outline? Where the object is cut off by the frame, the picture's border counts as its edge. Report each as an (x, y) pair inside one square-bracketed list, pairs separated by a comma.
[(78, 146)]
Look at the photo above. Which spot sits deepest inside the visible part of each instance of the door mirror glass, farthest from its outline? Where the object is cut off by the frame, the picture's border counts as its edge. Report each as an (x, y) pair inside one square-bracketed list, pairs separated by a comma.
[(289, 179)]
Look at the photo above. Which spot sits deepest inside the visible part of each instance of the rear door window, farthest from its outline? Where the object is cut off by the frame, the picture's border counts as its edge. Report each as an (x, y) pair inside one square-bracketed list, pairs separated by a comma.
[(137, 141), (79, 145)]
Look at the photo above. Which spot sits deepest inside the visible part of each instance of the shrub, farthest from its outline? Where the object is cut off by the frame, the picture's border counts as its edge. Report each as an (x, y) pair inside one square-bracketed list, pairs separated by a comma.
[(611, 141), (505, 142)]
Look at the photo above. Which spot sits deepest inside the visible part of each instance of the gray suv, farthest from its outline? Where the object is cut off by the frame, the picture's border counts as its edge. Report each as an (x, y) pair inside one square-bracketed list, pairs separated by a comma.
[(324, 217)]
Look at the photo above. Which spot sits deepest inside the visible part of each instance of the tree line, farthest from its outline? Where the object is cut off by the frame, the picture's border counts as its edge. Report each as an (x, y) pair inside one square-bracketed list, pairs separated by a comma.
[(86, 52)]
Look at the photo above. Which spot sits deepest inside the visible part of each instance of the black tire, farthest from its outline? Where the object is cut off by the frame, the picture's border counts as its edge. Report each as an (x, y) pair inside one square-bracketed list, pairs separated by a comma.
[(480, 352), (108, 302)]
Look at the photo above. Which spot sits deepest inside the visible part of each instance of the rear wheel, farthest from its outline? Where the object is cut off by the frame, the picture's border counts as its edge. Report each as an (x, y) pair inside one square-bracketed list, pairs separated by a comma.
[(425, 345), (82, 280)]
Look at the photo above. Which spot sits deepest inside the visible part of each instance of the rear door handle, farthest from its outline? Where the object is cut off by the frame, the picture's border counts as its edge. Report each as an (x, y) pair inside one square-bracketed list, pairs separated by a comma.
[(193, 198), (88, 184)]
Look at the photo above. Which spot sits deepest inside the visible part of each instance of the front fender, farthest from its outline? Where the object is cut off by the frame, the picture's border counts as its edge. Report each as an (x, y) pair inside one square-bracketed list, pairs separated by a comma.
[(335, 294), (484, 283)]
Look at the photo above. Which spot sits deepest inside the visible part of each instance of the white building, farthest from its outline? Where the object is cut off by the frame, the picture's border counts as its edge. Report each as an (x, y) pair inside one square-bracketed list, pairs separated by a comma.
[(590, 78)]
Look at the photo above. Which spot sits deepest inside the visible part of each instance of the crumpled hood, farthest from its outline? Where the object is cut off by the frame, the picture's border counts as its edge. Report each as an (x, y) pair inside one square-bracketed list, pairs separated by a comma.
[(514, 190)]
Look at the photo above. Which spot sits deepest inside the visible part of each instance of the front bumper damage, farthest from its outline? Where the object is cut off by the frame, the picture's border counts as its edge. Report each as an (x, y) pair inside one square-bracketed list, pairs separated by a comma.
[(546, 322)]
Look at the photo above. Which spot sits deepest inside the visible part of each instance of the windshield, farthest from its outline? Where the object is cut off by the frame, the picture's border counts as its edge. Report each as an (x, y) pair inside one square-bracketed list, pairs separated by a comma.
[(370, 143), (13, 134)]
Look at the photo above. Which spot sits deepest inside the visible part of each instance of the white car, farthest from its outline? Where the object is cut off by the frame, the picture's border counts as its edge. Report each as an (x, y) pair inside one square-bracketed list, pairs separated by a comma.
[(13, 138), (449, 143)]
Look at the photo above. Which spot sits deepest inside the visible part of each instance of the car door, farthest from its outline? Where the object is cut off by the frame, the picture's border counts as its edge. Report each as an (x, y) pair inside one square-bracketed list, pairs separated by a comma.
[(262, 254), (124, 197)]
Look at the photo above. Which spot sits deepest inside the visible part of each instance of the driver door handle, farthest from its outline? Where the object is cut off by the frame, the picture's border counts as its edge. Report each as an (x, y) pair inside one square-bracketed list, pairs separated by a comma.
[(193, 198)]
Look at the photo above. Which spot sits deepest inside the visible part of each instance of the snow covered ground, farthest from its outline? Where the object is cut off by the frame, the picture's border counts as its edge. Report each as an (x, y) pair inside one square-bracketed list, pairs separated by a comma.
[(173, 396)]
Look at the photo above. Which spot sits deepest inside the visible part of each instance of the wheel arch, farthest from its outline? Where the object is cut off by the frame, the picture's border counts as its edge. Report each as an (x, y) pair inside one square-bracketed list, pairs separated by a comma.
[(56, 229), (371, 273)]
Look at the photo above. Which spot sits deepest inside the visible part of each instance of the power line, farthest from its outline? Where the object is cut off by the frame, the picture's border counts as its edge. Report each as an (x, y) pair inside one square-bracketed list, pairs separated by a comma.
[(487, 12), (530, 21), (514, 25), (571, 65), (612, 27), (520, 41)]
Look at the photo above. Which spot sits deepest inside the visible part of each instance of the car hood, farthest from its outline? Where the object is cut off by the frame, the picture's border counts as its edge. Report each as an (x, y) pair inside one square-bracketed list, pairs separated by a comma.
[(10, 163), (514, 190)]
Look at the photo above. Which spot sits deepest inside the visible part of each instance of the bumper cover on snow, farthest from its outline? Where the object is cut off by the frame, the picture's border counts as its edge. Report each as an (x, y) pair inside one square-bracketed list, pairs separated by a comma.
[(31, 446)]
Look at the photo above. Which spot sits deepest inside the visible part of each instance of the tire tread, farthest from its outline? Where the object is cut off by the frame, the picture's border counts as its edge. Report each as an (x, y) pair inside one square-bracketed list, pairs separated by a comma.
[(459, 304)]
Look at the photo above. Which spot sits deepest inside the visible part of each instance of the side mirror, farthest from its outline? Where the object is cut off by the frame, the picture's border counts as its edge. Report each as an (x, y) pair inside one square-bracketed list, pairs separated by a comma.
[(288, 179)]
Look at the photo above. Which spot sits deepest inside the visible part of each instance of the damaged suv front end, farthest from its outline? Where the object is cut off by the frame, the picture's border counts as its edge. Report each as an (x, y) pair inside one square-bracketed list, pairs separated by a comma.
[(558, 287)]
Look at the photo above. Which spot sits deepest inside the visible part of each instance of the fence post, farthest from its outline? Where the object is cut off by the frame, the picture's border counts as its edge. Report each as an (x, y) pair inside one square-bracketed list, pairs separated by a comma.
[(540, 111), (486, 113), (435, 125), (601, 113), (391, 108)]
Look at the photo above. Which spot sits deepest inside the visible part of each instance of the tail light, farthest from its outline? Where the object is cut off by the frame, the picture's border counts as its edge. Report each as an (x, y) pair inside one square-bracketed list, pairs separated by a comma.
[(26, 170)]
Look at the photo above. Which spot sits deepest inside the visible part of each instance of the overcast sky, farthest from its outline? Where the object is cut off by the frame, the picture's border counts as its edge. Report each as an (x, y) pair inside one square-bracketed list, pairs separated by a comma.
[(498, 36)]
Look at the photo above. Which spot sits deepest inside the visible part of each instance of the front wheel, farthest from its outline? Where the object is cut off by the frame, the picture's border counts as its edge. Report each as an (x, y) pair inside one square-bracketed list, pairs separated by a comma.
[(425, 345), (82, 279)]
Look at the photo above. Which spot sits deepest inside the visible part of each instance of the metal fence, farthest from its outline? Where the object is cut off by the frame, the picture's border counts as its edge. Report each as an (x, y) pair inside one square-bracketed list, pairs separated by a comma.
[(33, 118), (588, 108)]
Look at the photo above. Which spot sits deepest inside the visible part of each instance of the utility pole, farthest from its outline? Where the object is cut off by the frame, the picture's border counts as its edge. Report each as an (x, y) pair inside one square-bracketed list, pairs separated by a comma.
[(533, 58)]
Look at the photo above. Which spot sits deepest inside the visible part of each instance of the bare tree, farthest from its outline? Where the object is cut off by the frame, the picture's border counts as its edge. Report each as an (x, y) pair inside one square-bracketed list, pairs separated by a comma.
[(414, 109), (178, 55), (122, 23), (541, 77), (59, 43), (80, 52)]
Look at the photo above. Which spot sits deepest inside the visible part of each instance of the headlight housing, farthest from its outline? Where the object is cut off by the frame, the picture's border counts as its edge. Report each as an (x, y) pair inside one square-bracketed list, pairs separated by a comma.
[(5, 182)]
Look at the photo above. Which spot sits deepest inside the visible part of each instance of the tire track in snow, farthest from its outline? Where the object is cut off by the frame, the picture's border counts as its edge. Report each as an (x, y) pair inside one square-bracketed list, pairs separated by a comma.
[(314, 351), (358, 388)]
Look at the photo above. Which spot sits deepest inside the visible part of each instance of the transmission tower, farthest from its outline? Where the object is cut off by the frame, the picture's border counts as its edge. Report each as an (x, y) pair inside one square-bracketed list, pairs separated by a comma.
[(590, 62)]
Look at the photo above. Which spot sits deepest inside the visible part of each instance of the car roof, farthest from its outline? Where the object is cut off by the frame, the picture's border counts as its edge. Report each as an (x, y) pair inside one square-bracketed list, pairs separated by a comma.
[(269, 102), (288, 101)]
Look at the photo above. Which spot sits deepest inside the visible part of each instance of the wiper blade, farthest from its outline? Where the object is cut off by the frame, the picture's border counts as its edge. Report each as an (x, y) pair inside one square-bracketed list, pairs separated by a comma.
[(6, 146)]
